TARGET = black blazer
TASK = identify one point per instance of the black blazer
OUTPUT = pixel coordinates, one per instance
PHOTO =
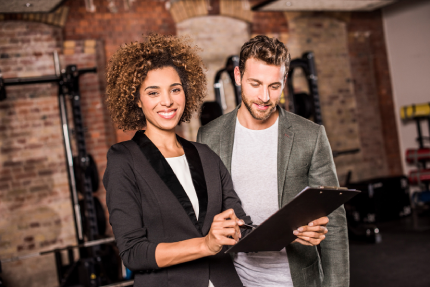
(147, 205)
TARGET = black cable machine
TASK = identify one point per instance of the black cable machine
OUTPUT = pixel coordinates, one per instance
(231, 64)
(98, 264)
(214, 109)
(303, 104)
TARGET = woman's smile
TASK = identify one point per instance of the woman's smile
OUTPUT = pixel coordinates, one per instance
(167, 114)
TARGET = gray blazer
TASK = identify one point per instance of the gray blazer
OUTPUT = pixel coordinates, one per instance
(304, 159)
(147, 207)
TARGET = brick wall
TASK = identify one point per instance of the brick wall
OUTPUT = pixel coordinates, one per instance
(269, 23)
(370, 25)
(358, 109)
(115, 29)
(35, 207)
(35, 204)
(327, 39)
(368, 115)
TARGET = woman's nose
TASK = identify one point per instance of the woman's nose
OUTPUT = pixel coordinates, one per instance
(166, 99)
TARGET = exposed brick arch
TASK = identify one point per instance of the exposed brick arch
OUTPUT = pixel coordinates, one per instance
(183, 9)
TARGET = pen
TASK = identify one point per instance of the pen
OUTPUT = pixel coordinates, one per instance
(247, 225)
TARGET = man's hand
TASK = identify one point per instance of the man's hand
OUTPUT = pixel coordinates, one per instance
(313, 233)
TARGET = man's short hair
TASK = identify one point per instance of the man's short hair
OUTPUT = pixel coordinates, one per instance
(269, 50)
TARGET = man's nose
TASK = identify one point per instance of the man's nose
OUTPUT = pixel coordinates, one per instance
(265, 95)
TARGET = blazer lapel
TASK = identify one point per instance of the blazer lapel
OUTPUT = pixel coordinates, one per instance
(227, 138)
(285, 144)
(198, 176)
(165, 172)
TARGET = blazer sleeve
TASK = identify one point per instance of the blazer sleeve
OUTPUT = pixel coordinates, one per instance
(334, 248)
(125, 211)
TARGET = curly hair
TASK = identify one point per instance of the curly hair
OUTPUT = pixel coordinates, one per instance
(269, 50)
(130, 65)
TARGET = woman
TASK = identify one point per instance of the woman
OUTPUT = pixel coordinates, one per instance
(171, 202)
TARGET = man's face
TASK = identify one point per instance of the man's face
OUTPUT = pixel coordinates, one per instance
(262, 86)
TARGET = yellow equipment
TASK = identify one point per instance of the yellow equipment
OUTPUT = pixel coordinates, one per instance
(415, 111)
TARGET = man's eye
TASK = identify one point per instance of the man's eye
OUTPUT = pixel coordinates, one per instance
(275, 87)
(255, 85)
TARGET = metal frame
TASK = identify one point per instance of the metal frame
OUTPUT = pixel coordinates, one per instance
(68, 87)
(89, 269)
(68, 83)
(307, 64)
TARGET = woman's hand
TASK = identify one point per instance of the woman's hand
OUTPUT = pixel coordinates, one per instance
(224, 231)
(313, 233)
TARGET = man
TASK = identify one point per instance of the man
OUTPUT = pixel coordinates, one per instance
(272, 155)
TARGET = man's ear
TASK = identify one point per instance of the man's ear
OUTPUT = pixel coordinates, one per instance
(237, 76)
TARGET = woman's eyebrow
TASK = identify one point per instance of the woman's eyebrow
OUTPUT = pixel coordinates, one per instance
(157, 87)
(151, 87)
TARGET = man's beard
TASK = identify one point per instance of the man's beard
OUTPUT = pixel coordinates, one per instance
(256, 114)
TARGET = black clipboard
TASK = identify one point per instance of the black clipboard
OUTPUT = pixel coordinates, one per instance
(276, 232)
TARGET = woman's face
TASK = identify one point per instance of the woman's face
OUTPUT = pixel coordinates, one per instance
(162, 98)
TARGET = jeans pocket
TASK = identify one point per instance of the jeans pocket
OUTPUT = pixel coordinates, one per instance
(312, 275)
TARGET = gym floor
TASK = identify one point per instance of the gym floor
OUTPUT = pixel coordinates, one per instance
(402, 259)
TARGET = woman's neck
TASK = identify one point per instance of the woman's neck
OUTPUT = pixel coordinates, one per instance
(165, 141)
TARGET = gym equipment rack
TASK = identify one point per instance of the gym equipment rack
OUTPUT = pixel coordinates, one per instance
(88, 270)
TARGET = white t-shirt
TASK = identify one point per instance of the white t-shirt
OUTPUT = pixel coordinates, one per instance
(181, 169)
(255, 179)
